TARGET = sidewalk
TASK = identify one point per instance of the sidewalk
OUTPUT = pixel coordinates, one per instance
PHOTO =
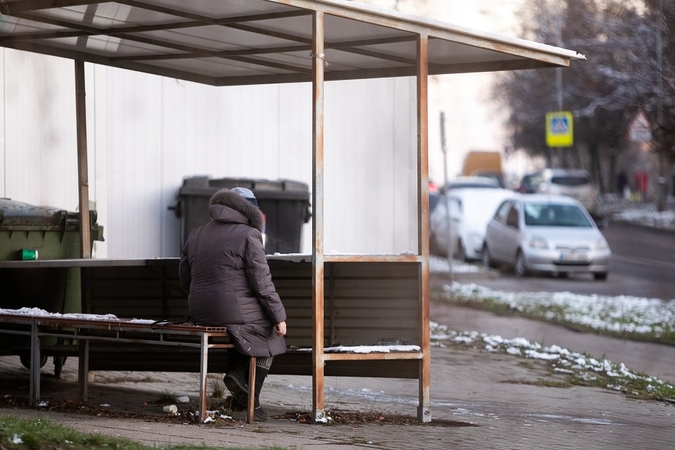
(480, 400)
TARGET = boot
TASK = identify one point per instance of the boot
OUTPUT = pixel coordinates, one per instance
(260, 374)
(236, 378)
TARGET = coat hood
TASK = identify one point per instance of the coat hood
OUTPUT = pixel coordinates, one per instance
(236, 202)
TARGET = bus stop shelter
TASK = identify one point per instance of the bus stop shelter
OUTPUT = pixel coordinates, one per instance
(244, 42)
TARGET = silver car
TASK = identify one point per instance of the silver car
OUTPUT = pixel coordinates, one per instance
(570, 182)
(546, 233)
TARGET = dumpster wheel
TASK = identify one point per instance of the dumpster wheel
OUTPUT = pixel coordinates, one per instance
(25, 360)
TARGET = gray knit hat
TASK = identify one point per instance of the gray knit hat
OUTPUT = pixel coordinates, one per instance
(247, 194)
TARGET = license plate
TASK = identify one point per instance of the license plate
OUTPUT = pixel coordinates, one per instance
(572, 256)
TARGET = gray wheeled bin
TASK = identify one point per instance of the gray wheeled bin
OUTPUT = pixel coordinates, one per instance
(42, 233)
(284, 203)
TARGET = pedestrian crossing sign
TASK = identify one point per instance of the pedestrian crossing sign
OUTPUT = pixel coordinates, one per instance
(559, 129)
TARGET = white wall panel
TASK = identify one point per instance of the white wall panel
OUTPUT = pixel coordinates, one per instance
(135, 211)
(97, 136)
(147, 133)
(3, 107)
(370, 141)
(39, 163)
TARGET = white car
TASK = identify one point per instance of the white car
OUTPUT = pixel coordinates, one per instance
(546, 233)
(471, 209)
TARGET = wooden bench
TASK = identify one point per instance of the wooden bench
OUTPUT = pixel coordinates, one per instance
(366, 303)
(88, 328)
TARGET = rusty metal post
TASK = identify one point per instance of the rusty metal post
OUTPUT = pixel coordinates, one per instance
(318, 60)
(423, 410)
(250, 402)
(83, 370)
(34, 390)
(82, 164)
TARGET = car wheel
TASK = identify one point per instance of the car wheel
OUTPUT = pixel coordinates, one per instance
(600, 275)
(486, 259)
(520, 267)
(434, 248)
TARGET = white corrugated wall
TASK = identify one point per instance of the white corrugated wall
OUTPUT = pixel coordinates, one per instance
(147, 133)
(39, 153)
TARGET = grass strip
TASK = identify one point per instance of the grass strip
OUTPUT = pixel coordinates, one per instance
(638, 319)
(41, 433)
(578, 368)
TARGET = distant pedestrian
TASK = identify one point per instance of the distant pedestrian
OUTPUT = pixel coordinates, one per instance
(641, 183)
(622, 184)
(224, 269)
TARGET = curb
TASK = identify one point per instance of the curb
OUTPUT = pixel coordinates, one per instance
(642, 226)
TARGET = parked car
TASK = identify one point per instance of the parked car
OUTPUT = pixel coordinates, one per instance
(472, 182)
(529, 183)
(570, 182)
(470, 210)
(546, 233)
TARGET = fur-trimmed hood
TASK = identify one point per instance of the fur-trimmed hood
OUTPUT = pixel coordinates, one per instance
(225, 200)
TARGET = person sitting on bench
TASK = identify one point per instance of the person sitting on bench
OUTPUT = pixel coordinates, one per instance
(224, 269)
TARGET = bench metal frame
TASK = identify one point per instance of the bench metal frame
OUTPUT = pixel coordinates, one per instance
(86, 329)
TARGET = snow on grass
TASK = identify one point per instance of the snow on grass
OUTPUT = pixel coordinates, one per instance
(647, 215)
(617, 315)
(583, 369)
(441, 265)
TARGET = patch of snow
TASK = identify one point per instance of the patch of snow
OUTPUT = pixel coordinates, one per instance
(539, 355)
(594, 311)
(372, 349)
(557, 355)
(37, 312)
(441, 265)
(141, 321)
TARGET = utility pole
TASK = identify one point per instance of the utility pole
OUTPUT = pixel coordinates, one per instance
(445, 198)
(662, 185)
(559, 80)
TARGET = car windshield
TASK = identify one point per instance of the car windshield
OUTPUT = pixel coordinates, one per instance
(555, 215)
(462, 185)
(570, 180)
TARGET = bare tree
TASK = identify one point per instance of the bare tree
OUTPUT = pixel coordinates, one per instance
(604, 93)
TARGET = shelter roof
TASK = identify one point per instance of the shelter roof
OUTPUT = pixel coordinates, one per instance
(237, 42)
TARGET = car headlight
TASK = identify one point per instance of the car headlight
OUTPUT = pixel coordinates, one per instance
(538, 242)
(601, 244)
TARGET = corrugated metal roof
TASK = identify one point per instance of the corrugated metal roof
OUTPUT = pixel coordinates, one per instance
(236, 42)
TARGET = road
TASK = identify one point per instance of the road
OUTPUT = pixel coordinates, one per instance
(643, 261)
(642, 265)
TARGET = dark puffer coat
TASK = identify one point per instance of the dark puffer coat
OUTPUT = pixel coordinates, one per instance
(223, 267)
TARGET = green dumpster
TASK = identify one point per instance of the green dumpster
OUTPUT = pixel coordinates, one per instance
(29, 232)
